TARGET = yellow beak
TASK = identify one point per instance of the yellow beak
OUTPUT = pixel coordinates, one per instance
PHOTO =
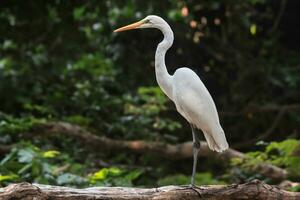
(130, 26)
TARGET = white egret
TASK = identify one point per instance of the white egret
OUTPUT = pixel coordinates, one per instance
(186, 90)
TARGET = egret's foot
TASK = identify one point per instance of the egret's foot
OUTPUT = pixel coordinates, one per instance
(192, 187)
(195, 186)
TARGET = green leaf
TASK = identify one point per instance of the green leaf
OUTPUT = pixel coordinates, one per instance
(8, 177)
(114, 171)
(104, 173)
(78, 12)
(133, 175)
(25, 155)
(100, 175)
(25, 168)
(9, 156)
(286, 147)
(253, 29)
(51, 154)
(69, 178)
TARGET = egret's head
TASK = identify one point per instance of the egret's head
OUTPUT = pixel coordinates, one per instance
(151, 21)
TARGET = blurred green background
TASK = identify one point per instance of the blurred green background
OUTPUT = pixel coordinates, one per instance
(60, 61)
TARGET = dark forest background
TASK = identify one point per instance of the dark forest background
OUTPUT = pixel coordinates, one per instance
(60, 62)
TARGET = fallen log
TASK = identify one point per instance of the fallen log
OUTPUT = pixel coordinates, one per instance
(255, 190)
(170, 151)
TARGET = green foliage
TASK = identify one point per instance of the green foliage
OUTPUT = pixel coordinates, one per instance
(78, 119)
(295, 189)
(153, 102)
(11, 125)
(283, 154)
(200, 179)
(27, 162)
(142, 112)
(114, 177)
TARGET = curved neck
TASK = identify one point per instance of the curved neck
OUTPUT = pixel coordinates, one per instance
(164, 79)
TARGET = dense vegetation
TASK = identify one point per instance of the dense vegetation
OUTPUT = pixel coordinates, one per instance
(60, 61)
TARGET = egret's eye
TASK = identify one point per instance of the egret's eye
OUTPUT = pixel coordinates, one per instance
(147, 21)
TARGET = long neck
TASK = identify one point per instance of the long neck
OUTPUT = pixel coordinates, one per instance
(164, 79)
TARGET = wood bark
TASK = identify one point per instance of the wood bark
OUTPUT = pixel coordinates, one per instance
(254, 190)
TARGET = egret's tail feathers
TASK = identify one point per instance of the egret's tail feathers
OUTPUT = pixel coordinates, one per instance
(216, 141)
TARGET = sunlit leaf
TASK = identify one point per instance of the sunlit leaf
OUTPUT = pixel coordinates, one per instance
(8, 177)
(253, 29)
(51, 154)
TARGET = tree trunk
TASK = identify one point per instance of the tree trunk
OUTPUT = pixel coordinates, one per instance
(255, 190)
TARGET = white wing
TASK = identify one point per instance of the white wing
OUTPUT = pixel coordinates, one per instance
(194, 103)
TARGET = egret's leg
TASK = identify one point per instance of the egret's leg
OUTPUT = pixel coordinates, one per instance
(196, 148)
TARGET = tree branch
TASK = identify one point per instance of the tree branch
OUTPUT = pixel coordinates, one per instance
(262, 109)
(175, 152)
(253, 190)
(279, 16)
(266, 134)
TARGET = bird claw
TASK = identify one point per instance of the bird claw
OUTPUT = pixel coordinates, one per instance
(194, 188)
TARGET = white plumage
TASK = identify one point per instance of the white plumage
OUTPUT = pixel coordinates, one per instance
(186, 90)
(195, 104)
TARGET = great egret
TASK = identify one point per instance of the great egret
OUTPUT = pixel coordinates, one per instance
(186, 90)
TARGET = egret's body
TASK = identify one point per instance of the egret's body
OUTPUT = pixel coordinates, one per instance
(186, 90)
(197, 107)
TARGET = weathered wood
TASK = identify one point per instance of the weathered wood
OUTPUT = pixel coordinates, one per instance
(254, 190)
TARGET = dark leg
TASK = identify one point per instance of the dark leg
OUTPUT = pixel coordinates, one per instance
(196, 147)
